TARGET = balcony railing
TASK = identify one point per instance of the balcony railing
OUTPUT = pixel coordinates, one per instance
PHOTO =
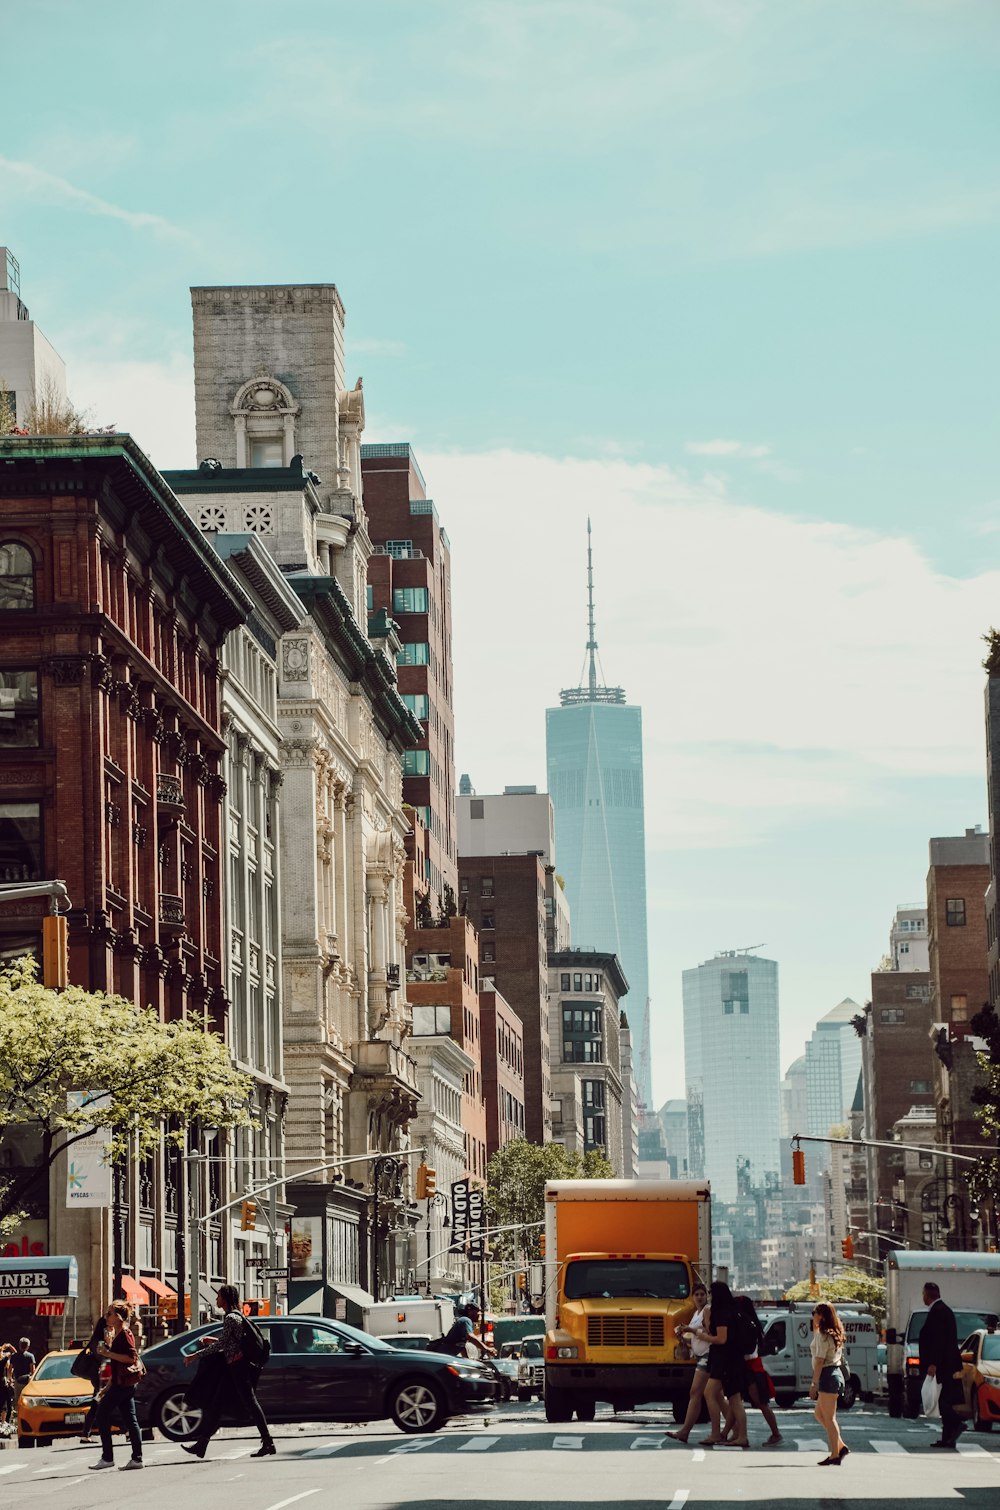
(171, 912)
(169, 793)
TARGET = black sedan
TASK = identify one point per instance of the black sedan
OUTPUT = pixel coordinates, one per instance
(321, 1370)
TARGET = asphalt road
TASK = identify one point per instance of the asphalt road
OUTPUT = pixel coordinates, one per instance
(512, 1457)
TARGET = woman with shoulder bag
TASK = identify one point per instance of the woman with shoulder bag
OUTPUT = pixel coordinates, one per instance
(119, 1398)
(237, 1378)
(827, 1349)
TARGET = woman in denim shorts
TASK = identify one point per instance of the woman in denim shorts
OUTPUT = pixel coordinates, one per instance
(827, 1349)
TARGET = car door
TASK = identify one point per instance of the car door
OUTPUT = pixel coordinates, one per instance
(283, 1384)
(337, 1381)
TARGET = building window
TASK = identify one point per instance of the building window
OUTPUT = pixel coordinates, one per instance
(489, 954)
(488, 921)
(417, 703)
(954, 912)
(486, 886)
(727, 1008)
(564, 982)
(892, 1014)
(20, 841)
(463, 886)
(417, 653)
(477, 808)
(959, 1009)
(920, 1087)
(416, 762)
(370, 598)
(400, 550)
(268, 451)
(18, 709)
(577, 982)
(17, 576)
(409, 600)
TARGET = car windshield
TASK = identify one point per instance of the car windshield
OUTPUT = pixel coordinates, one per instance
(991, 1349)
(55, 1367)
(966, 1321)
(619, 1278)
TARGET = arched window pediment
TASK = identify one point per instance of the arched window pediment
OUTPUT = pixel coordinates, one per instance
(264, 396)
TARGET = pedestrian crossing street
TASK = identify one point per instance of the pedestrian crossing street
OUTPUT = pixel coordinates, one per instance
(864, 1437)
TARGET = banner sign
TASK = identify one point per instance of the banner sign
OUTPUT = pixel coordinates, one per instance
(468, 1219)
(35, 1279)
(88, 1170)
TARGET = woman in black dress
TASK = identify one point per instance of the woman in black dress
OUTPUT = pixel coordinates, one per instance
(725, 1368)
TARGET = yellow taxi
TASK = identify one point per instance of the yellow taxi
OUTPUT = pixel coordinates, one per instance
(53, 1403)
(982, 1350)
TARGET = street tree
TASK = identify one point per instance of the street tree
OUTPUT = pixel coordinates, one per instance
(516, 1177)
(140, 1078)
(984, 1180)
(846, 1287)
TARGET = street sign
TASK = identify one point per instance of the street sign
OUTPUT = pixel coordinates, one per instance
(270, 1274)
(257, 1263)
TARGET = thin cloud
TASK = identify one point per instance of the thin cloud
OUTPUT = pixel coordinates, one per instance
(378, 347)
(39, 183)
(735, 448)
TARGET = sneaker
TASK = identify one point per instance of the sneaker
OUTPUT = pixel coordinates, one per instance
(132, 1463)
(102, 1463)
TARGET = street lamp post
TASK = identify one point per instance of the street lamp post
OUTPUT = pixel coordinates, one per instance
(440, 1199)
(394, 1166)
(196, 1162)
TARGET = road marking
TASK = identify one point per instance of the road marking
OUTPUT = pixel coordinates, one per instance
(327, 1450)
(567, 1442)
(12, 1467)
(679, 1499)
(972, 1449)
(228, 1457)
(645, 1442)
(883, 1444)
(479, 1444)
(698, 1456)
(295, 1497)
(811, 1444)
(404, 1447)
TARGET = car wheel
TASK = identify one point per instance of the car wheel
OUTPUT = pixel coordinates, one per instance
(979, 1421)
(23, 1442)
(586, 1410)
(175, 1417)
(417, 1406)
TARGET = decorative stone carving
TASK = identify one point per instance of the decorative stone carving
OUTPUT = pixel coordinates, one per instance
(67, 670)
(212, 518)
(259, 519)
(295, 660)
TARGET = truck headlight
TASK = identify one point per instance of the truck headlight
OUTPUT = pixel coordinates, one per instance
(567, 1352)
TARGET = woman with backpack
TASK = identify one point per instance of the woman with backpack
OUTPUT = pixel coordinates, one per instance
(757, 1381)
(725, 1367)
(236, 1376)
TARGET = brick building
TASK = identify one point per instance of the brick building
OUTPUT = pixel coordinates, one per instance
(504, 897)
(113, 611)
(596, 1102)
(409, 576)
(503, 1070)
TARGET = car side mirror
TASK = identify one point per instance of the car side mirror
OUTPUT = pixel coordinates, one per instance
(968, 1357)
(355, 1350)
(890, 1334)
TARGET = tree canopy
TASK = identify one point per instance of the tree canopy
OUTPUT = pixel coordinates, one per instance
(516, 1176)
(158, 1077)
(848, 1286)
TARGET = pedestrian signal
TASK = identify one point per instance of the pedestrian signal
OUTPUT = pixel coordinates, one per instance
(430, 1182)
(847, 1246)
(798, 1167)
(248, 1215)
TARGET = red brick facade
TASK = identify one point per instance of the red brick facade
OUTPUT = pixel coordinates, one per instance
(503, 1070)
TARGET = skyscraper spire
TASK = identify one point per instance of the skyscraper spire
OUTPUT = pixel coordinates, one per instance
(595, 690)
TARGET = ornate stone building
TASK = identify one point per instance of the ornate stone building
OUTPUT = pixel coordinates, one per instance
(272, 404)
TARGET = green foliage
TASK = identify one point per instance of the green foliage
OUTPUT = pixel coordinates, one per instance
(984, 1178)
(516, 1177)
(848, 1286)
(54, 1042)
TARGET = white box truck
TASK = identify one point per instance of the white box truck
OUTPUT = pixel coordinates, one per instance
(969, 1284)
(408, 1316)
(786, 1356)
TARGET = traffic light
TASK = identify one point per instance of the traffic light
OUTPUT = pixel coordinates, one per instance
(521, 1281)
(541, 1245)
(798, 1166)
(55, 953)
(430, 1182)
(847, 1246)
(248, 1215)
(421, 1191)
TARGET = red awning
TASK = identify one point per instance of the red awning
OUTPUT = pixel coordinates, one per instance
(157, 1287)
(134, 1291)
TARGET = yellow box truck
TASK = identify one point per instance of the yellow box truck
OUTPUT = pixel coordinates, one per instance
(621, 1258)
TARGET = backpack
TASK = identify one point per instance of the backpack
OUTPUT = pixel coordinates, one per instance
(452, 1342)
(255, 1346)
(747, 1332)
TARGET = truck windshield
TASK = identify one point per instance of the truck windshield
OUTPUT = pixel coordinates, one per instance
(966, 1322)
(620, 1278)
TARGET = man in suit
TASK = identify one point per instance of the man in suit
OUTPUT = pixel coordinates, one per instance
(940, 1359)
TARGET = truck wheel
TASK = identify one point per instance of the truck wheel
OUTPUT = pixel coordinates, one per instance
(558, 1406)
(586, 1410)
(894, 1389)
(524, 1395)
(850, 1394)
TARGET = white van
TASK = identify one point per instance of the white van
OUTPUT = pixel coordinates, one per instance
(786, 1355)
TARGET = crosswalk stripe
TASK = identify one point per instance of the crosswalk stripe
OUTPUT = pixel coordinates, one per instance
(567, 1442)
(698, 1456)
(679, 1499)
(972, 1449)
(328, 1450)
(410, 1446)
(646, 1441)
(479, 1444)
(810, 1444)
(12, 1467)
(883, 1444)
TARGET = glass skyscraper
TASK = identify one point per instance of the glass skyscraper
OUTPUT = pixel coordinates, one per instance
(594, 756)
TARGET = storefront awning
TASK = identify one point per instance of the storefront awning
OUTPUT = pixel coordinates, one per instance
(157, 1287)
(133, 1291)
(37, 1278)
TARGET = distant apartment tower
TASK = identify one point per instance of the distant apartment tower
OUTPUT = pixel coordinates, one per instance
(590, 1083)
(595, 777)
(409, 576)
(30, 366)
(833, 1063)
(732, 1069)
(503, 1070)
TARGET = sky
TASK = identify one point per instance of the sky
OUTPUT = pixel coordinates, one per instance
(718, 274)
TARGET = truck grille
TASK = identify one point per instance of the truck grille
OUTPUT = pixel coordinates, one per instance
(625, 1331)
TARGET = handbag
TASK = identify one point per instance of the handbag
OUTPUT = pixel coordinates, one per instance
(930, 1395)
(86, 1365)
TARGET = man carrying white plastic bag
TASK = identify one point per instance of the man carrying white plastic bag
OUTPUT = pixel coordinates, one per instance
(941, 1364)
(930, 1394)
